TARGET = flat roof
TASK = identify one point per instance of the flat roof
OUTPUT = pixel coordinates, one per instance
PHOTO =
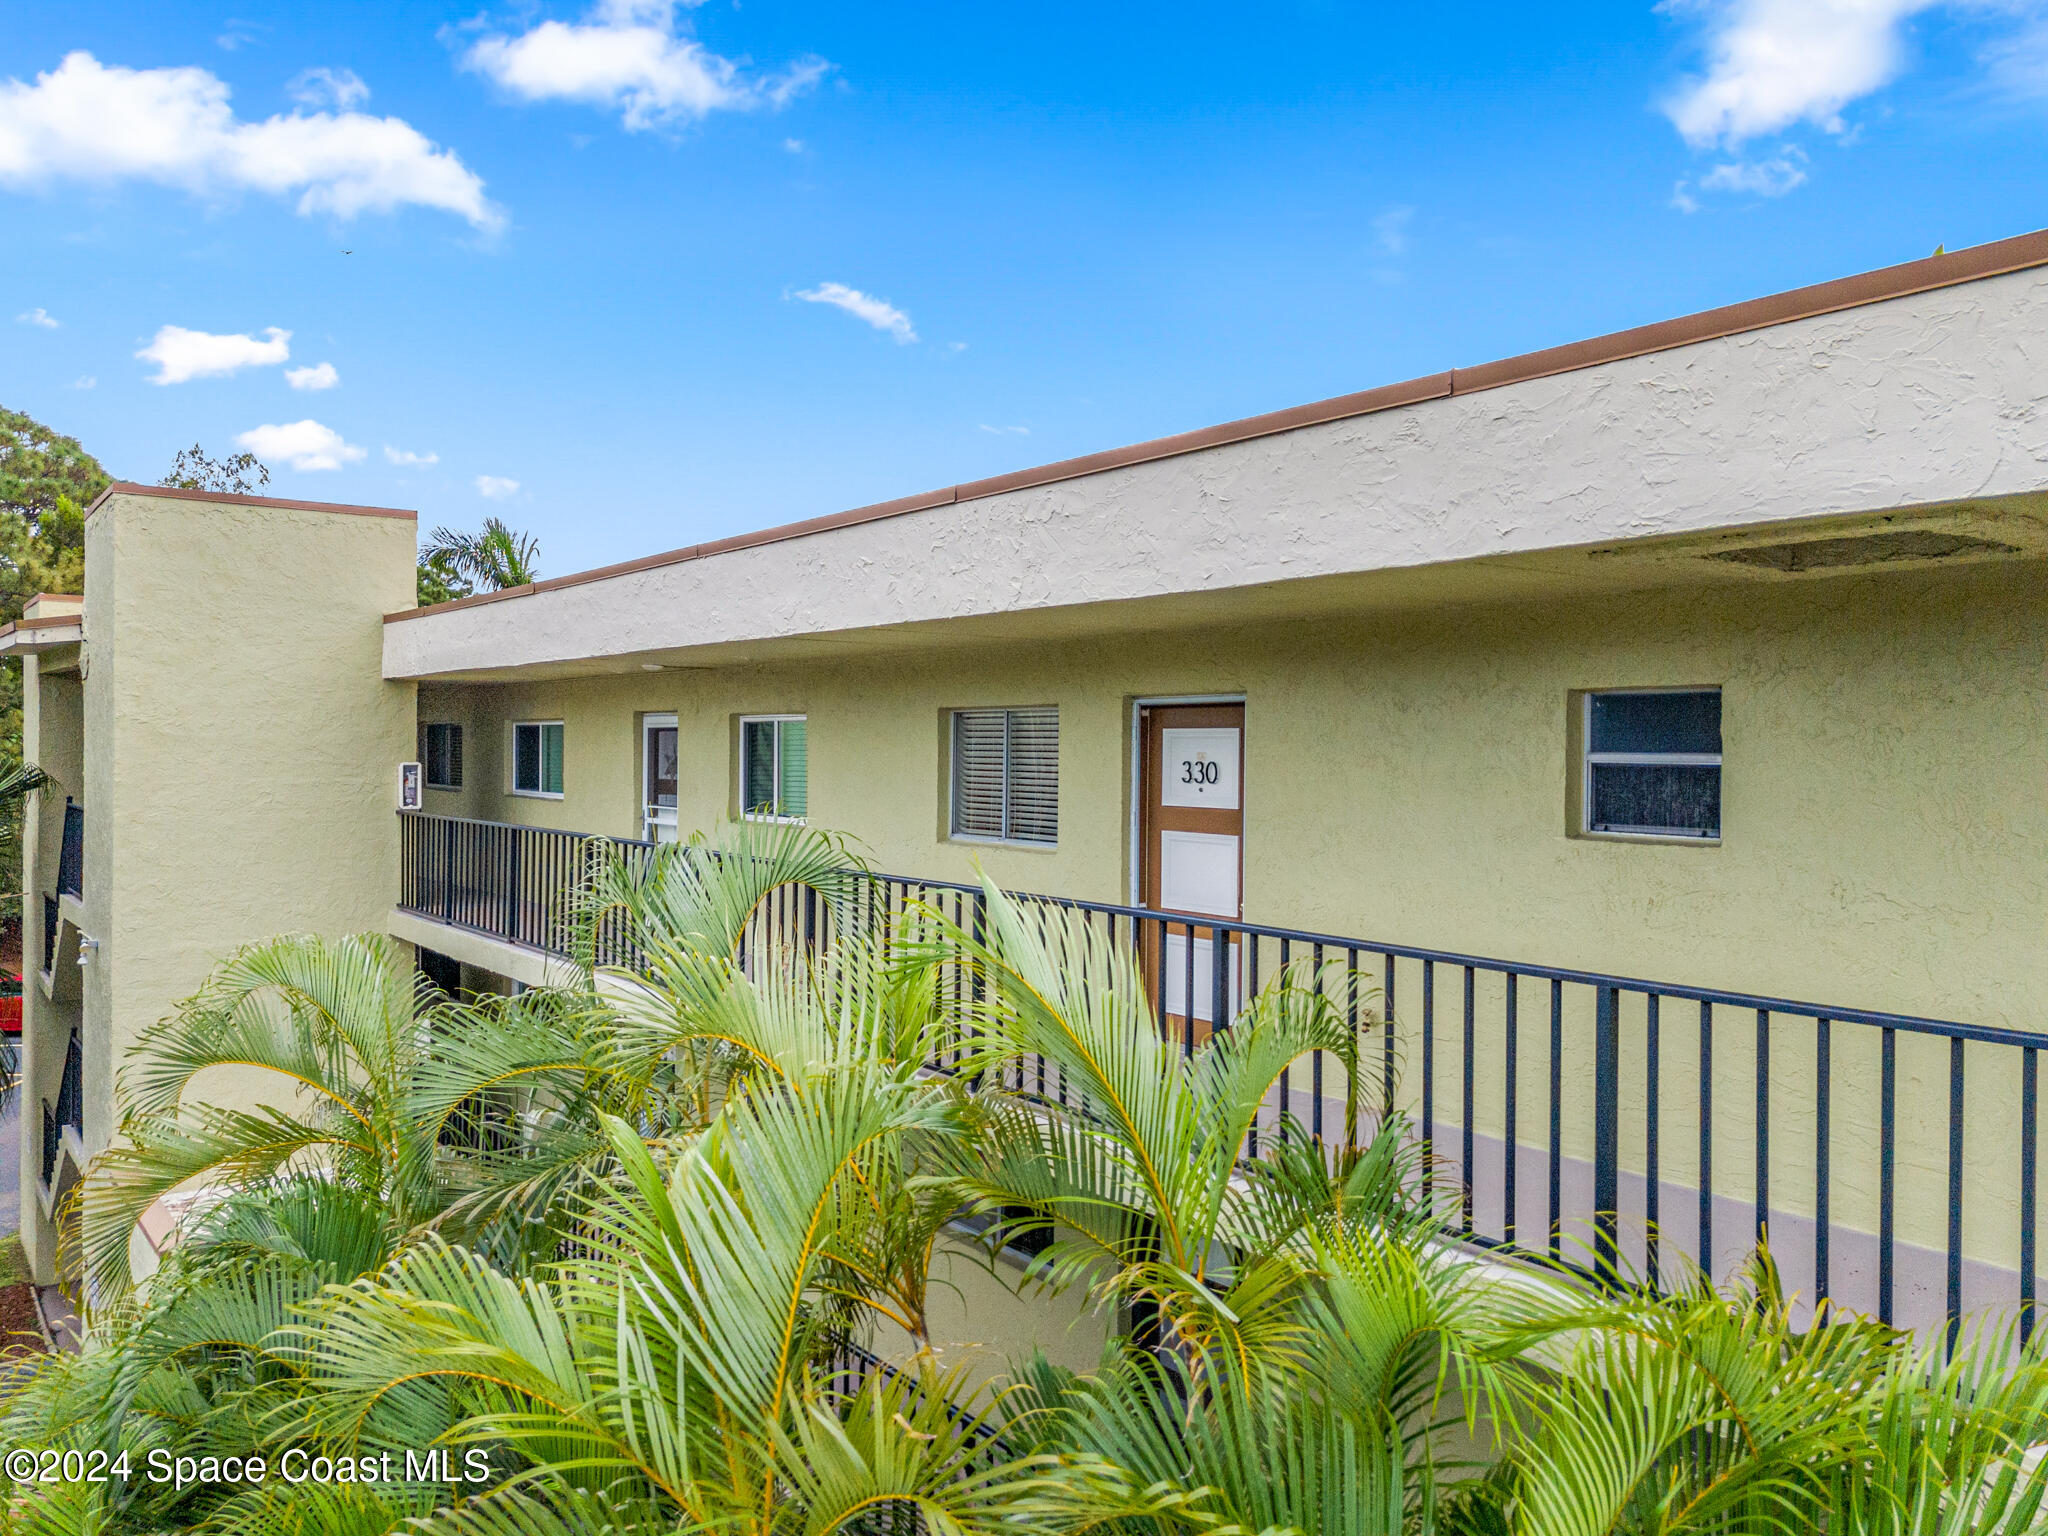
(1946, 270)
(175, 493)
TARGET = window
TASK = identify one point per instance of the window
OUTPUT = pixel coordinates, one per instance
(1653, 763)
(537, 758)
(774, 767)
(441, 752)
(1006, 775)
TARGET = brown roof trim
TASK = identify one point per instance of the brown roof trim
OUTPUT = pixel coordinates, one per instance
(55, 620)
(130, 488)
(2016, 254)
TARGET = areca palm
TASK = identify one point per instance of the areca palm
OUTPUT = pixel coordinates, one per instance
(1145, 1170)
(695, 1176)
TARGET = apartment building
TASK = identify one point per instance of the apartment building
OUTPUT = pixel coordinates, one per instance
(1655, 723)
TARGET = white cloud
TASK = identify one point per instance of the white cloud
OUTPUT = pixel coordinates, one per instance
(88, 121)
(1772, 63)
(794, 146)
(879, 313)
(321, 377)
(1682, 198)
(84, 381)
(1006, 431)
(301, 444)
(180, 354)
(324, 87)
(629, 55)
(1390, 230)
(1766, 178)
(39, 317)
(496, 487)
(405, 459)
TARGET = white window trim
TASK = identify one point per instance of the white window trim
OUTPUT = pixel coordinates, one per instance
(953, 780)
(512, 762)
(1592, 759)
(775, 772)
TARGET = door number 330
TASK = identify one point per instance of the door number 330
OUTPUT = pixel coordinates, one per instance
(1196, 770)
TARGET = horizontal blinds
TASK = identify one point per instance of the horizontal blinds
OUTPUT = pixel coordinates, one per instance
(1034, 777)
(978, 772)
(454, 764)
(551, 759)
(794, 797)
(1006, 774)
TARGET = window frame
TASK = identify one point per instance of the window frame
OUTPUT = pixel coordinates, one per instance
(953, 832)
(774, 770)
(427, 729)
(512, 759)
(1589, 759)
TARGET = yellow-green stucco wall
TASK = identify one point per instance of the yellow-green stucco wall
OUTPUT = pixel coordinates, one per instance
(1407, 779)
(240, 751)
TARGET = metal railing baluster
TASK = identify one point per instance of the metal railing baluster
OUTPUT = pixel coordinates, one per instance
(513, 882)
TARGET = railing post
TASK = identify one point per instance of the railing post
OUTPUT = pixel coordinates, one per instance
(448, 871)
(1219, 981)
(517, 842)
(1606, 1132)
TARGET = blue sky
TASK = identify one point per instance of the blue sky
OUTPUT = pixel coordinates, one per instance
(633, 275)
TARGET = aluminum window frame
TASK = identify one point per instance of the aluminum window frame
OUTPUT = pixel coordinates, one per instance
(775, 768)
(953, 832)
(1589, 760)
(427, 779)
(512, 761)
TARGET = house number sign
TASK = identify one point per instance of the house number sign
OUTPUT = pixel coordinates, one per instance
(1200, 767)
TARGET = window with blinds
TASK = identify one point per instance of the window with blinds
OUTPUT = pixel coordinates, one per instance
(775, 766)
(1006, 775)
(1653, 763)
(537, 758)
(441, 754)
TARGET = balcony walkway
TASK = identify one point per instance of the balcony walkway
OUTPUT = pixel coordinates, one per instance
(1622, 1098)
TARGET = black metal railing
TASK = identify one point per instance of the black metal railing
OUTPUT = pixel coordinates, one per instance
(49, 933)
(71, 859)
(1607, 1123)
(496, 878)
(70, 1108)
(71, 1087)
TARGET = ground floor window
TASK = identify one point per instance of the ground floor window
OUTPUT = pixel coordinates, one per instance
(774, 766)
(1653, 762)
(537, 758)
(441, 752)
(1006, 775)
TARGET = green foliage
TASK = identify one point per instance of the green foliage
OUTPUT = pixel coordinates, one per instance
(612, 1240)
(41, 470)
(239, 474)
(456, 564)
(46, 482)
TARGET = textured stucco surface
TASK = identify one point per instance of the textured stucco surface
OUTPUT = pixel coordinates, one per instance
(1886, 737)
(52, 738)
(1920, 400)
(1406, 780)
(240, 749)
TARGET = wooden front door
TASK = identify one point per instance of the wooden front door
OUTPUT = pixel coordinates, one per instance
(1191, 842)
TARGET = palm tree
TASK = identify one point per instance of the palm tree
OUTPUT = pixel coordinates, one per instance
(629, 1294)
(492, 559)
